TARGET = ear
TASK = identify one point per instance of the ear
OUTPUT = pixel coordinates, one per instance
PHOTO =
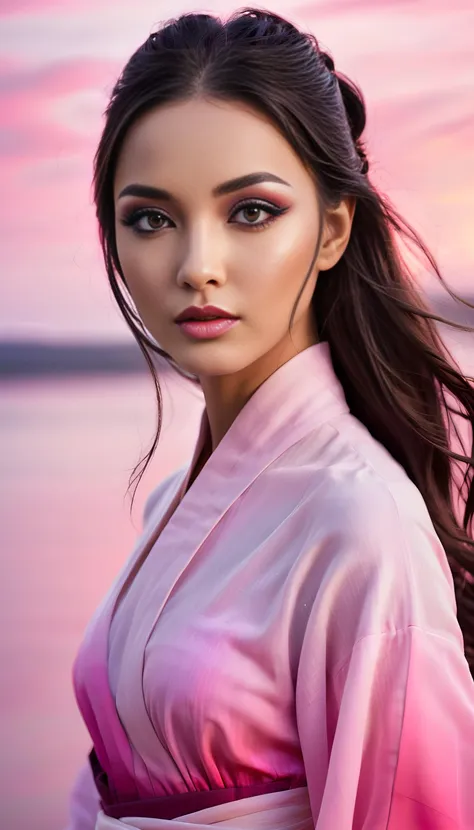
(336, 233)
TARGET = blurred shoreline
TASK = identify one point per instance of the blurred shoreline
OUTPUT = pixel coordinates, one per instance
(39, 356)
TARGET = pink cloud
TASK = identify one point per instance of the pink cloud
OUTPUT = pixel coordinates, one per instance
(57, 78)
(337, 7)
(17, 7)
(48, 133)
(30, 100)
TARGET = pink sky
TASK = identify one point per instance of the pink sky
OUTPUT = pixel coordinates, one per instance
(59, 58)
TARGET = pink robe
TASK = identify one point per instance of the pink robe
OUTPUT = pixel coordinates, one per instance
(295, 616)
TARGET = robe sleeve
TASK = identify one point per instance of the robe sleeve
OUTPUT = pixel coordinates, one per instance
(387, 730)
(84, 803)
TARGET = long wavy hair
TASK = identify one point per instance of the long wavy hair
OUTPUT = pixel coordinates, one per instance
(398, 377)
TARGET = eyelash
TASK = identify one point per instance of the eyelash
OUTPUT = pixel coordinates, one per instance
(133, 217)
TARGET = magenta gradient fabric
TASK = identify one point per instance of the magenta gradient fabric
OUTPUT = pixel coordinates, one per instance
(291, 615)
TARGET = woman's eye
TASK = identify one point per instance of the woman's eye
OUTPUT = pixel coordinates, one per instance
(251, 212)
(151, 221)
(147, 221)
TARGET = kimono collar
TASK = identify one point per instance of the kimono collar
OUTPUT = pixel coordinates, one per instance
(299, 396)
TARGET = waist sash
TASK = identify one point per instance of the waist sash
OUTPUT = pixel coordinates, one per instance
(277, 805)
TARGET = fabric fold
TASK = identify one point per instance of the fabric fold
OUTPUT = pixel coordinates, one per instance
(286, 810)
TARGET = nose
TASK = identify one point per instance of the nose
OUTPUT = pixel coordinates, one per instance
(203, 260)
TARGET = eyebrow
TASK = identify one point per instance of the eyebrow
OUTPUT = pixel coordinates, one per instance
(230, 186)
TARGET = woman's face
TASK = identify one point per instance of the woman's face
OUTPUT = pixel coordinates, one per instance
(245, 250)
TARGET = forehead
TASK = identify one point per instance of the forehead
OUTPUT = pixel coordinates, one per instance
(203, 143)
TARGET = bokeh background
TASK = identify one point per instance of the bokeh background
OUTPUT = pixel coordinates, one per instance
(76, 405)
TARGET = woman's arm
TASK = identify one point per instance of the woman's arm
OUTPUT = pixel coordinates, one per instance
(386, 728)
(388, 744)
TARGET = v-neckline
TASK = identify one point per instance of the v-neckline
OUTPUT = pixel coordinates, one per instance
(283, 412)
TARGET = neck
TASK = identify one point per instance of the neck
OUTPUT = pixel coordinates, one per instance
(226, 395)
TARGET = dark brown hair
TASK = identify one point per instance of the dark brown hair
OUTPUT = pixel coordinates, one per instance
(398, 377)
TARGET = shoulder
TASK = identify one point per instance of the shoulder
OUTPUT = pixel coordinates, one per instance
(375, 551)
(372, 505)
(350, 480)
(358, 484)
(342, 483)
(365, 506)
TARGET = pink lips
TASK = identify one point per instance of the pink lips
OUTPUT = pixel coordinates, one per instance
(207, 329)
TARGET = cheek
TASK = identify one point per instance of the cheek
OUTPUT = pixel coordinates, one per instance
(297, 248)
(285, 264)
(142, 270)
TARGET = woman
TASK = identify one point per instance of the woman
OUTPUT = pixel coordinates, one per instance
(291, 642)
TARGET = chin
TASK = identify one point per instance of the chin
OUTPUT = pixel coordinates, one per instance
(211, 358)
